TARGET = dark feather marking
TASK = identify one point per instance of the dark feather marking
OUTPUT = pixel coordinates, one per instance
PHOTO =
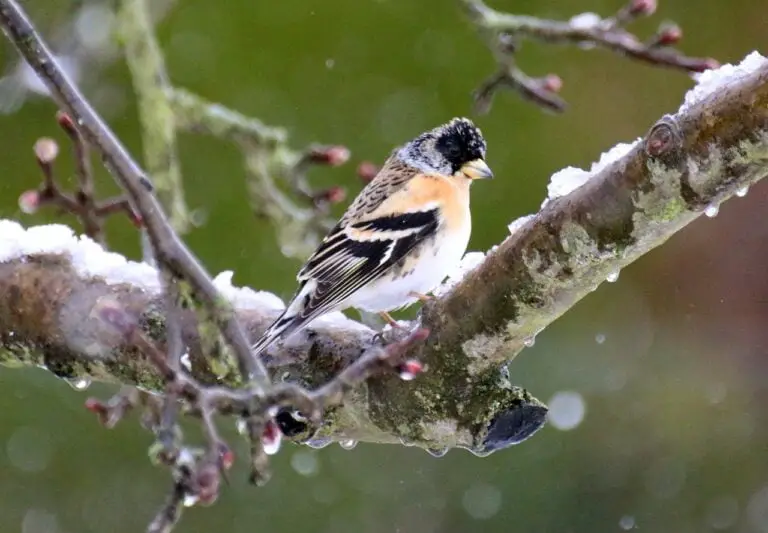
(398, 222)
(333, 290)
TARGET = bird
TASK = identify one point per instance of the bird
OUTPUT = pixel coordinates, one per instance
(400, 237)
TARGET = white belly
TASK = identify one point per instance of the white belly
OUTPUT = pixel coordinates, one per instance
(433, 266)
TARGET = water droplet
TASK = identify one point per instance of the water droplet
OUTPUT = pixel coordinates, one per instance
(741, 193)
(613, 277)
(712, 210)
(305, 462)
(190, 500)
(319, 443)
(566, 410)
(529, 341)
(723, 512)
(437, 452)
(39, 521)
(29, 449)
(600, 338)
(627, 522)
(348, 444)
(481, 501)
(242, 426)
(330, 63)
(79, 383)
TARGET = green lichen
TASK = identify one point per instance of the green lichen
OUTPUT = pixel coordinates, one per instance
(662, 201)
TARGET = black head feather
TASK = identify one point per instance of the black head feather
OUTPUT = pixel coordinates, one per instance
(446, 148)
(460, 141)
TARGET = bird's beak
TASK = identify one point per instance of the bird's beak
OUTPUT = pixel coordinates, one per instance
(477, 170)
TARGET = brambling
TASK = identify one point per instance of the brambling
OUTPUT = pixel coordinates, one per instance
(402, 235)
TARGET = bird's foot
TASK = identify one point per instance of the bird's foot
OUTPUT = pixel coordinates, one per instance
(391, 321)
(423, 298)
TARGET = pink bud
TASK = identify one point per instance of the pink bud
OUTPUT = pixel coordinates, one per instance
(46, 150)
(642, 7)
(410, 369)
(66, 122)
(552, 83)
(331, 155)
(270, 439)
(367, 171)
(670, 34)
(29, 202)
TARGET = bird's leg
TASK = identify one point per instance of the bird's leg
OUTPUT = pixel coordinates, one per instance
(423, 298)
(391, 321)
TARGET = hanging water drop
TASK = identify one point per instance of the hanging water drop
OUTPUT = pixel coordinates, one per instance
(481, 453)
(348, 444)
(79, 383)
(613, 277)
(190, 500)
(600, 338)
(741, 193)
(712, 210)
(529, 341)
(437, 452)
(242, 426)
(319, 443)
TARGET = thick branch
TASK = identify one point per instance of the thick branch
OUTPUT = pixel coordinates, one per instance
(705, 154)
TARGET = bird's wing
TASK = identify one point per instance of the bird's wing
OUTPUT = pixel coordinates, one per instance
(367, 243)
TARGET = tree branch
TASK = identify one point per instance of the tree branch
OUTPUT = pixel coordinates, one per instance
(712, 149)
(300, 218)
(502, 33)
(170, 251)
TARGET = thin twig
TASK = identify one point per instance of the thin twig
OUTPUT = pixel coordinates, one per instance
(276, 176)
(170, 251)
(83, 203)
(503, 31)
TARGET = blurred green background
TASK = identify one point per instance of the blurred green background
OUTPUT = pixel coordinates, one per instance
(657, 383)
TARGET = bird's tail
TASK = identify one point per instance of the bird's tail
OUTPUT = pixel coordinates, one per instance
(282, 327)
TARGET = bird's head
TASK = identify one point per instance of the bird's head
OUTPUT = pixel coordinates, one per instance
(453, 149)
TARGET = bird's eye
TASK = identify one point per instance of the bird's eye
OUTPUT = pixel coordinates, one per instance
(453, 151)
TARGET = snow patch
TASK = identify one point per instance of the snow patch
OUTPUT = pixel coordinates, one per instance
(516, 224)
(585, 21)
(89, 259)
(469, 262)
(711, 81)
(569, 179)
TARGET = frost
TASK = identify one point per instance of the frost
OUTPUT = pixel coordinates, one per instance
(469, 262)
(712, 81)
(518, 223)
(569, 179)
(585, 21)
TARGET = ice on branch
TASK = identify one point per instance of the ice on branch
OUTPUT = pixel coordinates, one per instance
(710, 82)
